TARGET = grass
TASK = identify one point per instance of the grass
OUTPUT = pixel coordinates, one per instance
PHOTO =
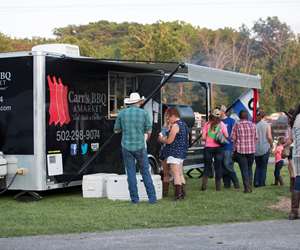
(67, 212)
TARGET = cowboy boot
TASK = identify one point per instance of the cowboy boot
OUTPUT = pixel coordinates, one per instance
(178, 193)
(247, 187)
(235, 181)
(218, 184)
(292, 184)
(276, 181)
(295, 198)
(280, 180)
(183, 191)
(204, 183)
(165, 189)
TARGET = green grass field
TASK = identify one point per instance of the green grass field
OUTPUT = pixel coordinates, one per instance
(67, 212)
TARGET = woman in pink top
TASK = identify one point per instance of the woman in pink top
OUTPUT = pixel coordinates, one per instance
(278, 161)
(213, 150)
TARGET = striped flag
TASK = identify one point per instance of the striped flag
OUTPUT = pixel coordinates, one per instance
(245, 102)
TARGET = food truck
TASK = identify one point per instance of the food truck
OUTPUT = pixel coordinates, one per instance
(57, 111)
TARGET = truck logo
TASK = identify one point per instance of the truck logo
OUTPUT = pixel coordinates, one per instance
(5, 78)
(59, 107)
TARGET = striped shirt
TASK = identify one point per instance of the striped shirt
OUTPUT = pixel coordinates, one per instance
(134, 123)
(244, 137)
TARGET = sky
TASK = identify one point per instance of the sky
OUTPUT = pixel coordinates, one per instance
(38, 18)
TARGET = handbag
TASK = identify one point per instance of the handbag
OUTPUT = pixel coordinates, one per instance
(220, 138)
(285, 152)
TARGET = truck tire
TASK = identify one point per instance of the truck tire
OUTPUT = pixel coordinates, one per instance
(154, 168)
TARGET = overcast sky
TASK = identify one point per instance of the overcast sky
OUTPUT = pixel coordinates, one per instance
(29, 18)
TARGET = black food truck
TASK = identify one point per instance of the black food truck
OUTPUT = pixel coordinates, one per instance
(57, 111)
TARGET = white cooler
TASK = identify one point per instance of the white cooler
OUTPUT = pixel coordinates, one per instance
(3, 167)
(117, 187)
(94, 185)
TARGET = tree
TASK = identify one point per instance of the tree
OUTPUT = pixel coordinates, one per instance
(5, 45)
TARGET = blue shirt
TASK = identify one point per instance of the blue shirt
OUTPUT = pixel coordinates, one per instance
(178, 148)
(229, 122)
(134, 123)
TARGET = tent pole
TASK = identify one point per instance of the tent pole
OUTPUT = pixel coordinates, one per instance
(255, 101)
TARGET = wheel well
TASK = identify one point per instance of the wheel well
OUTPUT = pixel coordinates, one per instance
(154, 164)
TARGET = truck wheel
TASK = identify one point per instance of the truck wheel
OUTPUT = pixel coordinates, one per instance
(153, 165)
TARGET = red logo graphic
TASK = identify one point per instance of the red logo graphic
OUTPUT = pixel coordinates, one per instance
(59, 107)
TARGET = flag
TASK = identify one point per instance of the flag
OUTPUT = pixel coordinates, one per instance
(245, 102)
(58, 107)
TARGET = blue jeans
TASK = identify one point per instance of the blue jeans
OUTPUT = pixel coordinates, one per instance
(261, 170)
(229, 174)
(245, 162)
(278, 167)
(297, 183)
(129, 159)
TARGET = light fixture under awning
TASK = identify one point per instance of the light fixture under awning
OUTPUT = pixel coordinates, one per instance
(222, 77)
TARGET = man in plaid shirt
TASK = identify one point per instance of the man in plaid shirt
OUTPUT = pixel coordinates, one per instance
(134, 123)
(244, 138)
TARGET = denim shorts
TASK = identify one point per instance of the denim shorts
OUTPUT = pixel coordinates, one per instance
(173, 160)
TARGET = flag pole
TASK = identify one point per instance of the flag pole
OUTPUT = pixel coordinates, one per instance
(255, 100)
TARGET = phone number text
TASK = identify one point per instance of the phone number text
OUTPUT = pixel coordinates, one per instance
(77, 135)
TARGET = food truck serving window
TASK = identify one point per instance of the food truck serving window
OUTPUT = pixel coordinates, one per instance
(120, 85)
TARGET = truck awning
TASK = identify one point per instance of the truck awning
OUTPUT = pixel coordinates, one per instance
(222, 77)
(191, 71)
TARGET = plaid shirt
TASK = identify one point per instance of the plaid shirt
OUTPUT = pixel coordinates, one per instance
(134, 123)
(244, 137)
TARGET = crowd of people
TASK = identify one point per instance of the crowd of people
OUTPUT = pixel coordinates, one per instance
(225, 140)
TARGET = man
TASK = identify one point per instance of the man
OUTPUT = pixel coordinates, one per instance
(244, 140)
(229, 174)
(134, 123)
(262, 153)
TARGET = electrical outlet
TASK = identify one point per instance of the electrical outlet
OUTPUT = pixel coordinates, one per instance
(22, 171)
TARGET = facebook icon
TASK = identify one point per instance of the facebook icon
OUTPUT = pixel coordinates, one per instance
(73, 149)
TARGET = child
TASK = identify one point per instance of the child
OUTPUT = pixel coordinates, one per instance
(278, 161)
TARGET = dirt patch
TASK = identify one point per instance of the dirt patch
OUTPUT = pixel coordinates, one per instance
(284, 204)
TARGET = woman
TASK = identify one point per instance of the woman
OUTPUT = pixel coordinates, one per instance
(163, 157)
(295, 198)
(176, 150)
(213, 149)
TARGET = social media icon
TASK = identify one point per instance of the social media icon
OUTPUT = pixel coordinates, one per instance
(95, 146)
(73, 149)
(84, 148)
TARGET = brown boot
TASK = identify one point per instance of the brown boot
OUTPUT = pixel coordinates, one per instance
(183, 191)
(292, 184)
(178, 193)
(165, 189)
(275, 182)
(295, 198)
(247, 188)
(218, 185)
(204, 183)
(280, 180)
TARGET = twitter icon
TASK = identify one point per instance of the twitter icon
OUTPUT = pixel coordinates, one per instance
(84, 148)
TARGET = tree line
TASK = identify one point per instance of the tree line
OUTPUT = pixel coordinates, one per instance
(268, 48)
